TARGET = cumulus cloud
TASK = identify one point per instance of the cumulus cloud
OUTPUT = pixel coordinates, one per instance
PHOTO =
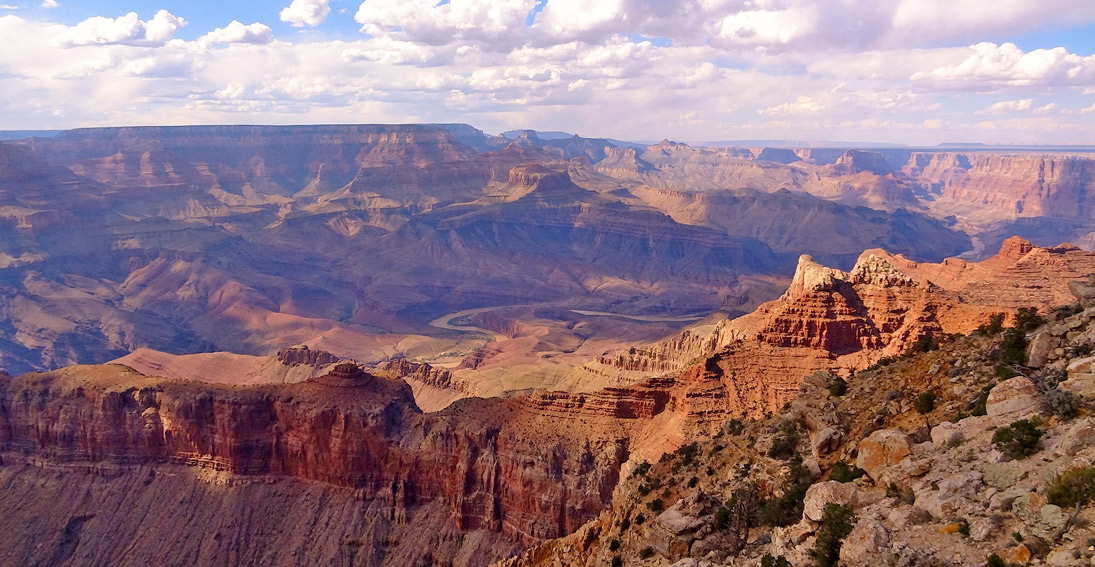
(50, 4)
(1008, 106)
(237, 32)
(1007, 64)
(306, 12)
(125, 30)
(499, 22)
(801, 105)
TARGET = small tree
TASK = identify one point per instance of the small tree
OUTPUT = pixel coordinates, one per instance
(924, 403)
(836, 524)
(1018, 440)
(1072, 488)
(993, 327)
(838, 387)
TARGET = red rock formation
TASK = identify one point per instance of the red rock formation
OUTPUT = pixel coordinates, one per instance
(494, 463)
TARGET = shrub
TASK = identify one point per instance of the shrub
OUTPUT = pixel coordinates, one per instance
(617, 561)
(787, 509)
(646, 553)
(924, 403)
(838, 387)
(924, 344)
(841, 472)
(692, 482)
(625, 524)
(993, 327)
(980, 402)
(1018, 440)
(1063, 404)
(1003, 371)
(735, 427)
(995, 560)
(777, 561)
(643, 490)
(1013, 349)
(963, 527)
(656, 505)
(1027, 319)
(688, 453)
(640, 520)
(614, 544)
(783, 446)
(641, 469)
(836, 524)
(722, 518)
(1072, 488)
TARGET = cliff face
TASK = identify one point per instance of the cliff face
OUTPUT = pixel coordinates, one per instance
(831, 319)
(490, 463)
(1009, 185)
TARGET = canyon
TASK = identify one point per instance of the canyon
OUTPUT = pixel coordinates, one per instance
(485, 477)
(423, 344)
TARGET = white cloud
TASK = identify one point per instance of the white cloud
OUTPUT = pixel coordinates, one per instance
(306, 12)
(1008, 106)
(989, 63)
(124, 30)
(8, 7)
(802, 105)
(50, 4)
(492, 22)
(237, 32)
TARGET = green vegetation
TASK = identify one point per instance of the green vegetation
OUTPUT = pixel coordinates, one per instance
(924, 344)
(993, 327)
(838, 387)
(836, 524)
(787, 509)
(646, 553)
(1027, 319)
(963, 527)
(783, 446)
(692, 482)
(734, 427)
(640, 520)
(924, 403)
(778, 561)
(688, 453)
(1063, 404)
(617, 561)
(841, 472)
(995, 560)
(614, 544)
(981, 401)
(1018, 440)
(641, 469)
(656, 505)
(1013, 349)
(1073, 488)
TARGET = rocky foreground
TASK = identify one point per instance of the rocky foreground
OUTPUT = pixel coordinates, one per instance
(978, 453)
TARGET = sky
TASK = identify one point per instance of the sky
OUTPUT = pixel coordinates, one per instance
(916, 72)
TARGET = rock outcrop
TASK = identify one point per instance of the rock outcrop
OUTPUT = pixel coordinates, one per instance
(498, 466)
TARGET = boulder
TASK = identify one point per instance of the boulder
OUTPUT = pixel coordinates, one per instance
(863, 545)
(1003, 475)
(1041, 347)
(949, 434)
(882, 449)
(822, 493)
(1014, 399)
(826, 441)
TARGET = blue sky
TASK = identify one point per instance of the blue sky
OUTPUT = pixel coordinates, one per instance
(907, 71)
